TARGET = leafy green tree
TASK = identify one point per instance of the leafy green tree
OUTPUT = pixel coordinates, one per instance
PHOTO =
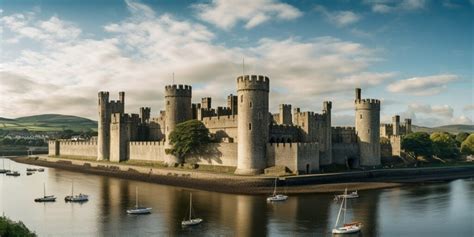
(190, 137)
(467, 146)
(444, 145)
(460, 137)
(11, 228)
(418, 143)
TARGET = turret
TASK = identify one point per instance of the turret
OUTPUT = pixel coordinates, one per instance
(232, 104)
(396, 125)
(407, 125)
(253, 123)
(103, 130)
(367, 124)
(177, 110)
(326, 140)
(145, 115)
(285, 114)
(206, 103)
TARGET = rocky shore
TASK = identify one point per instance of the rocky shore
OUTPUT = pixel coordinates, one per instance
(228, 183)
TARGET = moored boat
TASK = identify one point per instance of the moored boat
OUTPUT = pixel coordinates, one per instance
(76, 198)
(137, 210)
(276, 197)
(346, 228)
(45, 198)
(191, 221)
(351, 195)
(13, 173)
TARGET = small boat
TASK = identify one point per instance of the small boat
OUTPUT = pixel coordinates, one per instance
(45, 198)
(191, 221)
(3, 170)
(76, 198)
(276, 197)
(346, 228)
(351, 195)
(40, 170)
(31, 169)
(13, 173)
(29, 173)
(137, 210)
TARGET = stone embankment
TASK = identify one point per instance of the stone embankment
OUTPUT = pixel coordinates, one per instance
(228, 183)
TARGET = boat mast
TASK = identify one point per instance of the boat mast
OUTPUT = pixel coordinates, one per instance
(345, 206)
(136, 197)
(72, 188)
(338, 215)
(44, 189)
(190, 204)
(275, 189)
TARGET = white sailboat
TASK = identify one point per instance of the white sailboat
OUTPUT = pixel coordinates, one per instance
(3, 170)
(191, 221)
(345, 228)
(276, 197)
(46, 198)
(76, 198)
(351, 195)
(138, 210)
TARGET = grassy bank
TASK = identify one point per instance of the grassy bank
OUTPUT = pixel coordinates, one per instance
(13, 228)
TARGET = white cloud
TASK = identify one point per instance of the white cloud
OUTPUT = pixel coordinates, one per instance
(461, 120)
(339, 18)
(226, 14)
(434, 115)
(469, 107)
(428, 85)
(140, 54)
(387, 6)
(437, 110)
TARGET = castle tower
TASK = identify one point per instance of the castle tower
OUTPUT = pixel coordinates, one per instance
(103, 130)
(253, 123)
(232, 103)
(177, 110)
(285, 114)
(407, 126)
(396, 125)
(145, 115)
(327, 144)
(206, 103)
(367, 125)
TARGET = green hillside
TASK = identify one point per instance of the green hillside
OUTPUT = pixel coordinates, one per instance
(455, 128)
(48, 123)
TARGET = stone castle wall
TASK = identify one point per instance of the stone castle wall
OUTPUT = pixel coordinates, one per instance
(297, 157)
(147, 151)
(70, 148)
(341, 152)
(222, 126)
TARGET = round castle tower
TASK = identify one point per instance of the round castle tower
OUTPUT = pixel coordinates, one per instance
(367, 125)
(103, 130)
(253, 122)
(177, 110)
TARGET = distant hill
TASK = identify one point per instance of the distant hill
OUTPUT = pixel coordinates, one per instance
(48, 123)
(455, 128)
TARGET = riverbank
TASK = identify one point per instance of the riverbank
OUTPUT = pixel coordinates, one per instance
(228, 183)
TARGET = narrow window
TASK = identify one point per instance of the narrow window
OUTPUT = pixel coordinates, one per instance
(168, 102)
(241, 99)
(361, 116)
(368, 130)
(250, 126)
(250, 104)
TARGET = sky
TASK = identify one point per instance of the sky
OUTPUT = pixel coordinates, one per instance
(416, 56)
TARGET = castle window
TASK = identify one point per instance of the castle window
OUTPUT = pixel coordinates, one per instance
(168, 102)
(250, 126)
(250, 104)
(241, 99)
(361, 116)
(368, 130)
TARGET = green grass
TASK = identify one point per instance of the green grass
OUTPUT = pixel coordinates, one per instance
(48, 123)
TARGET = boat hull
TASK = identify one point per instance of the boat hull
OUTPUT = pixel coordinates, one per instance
(277, 198)
(191, 222)
(46, 199)
(139, 211)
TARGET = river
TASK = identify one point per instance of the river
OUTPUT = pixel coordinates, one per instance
(436, 209)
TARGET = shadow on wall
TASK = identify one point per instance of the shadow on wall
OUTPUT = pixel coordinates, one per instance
(210, 155)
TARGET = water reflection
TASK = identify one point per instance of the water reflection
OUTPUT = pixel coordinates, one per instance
(391, 212)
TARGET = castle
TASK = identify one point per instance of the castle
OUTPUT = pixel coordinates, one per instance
(247, 137)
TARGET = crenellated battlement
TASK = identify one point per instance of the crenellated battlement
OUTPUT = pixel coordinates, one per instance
(178, 91)
(253, 82)
(367, 104)
(343, 128)
(125, 118)
(147, 143)
(76, 143)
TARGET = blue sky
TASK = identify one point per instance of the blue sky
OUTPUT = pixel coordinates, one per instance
(414, 55)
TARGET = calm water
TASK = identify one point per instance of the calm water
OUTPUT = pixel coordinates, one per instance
(442, 209)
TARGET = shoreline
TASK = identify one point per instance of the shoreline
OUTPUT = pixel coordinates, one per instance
(227, 183)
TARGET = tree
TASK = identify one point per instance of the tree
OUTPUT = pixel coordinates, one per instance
(460, 137)
(467, 146)
(419, 143)
(190, 137)
(444, 145)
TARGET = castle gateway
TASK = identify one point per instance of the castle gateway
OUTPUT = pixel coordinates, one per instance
(247, 137)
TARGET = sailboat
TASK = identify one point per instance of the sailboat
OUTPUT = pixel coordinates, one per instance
(3, 170)
(276, 197)
(46, 198)
(351, 195)
(191, 221)
(76, 198)
(139, 210)
(345, 228)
